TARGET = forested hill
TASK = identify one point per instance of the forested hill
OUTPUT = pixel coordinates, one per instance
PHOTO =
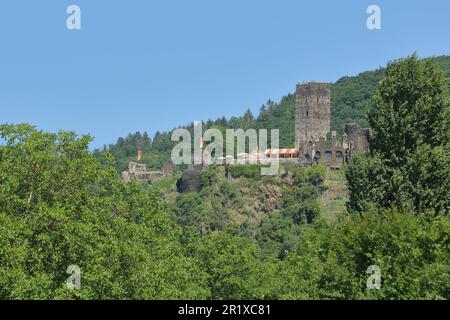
(350, 99)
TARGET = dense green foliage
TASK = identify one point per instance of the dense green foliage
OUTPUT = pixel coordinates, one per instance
(411, 251)
(60, 207)
(242, 236)
(248, 171)
(409, 164)
(155, 153)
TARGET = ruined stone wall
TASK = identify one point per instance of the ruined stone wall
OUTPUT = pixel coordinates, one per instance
(313, 152)
(313, 112)
(356, 138)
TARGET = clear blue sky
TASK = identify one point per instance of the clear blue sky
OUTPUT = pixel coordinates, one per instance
(153, 65)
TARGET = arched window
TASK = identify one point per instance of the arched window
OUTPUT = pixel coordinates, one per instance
(328, 155)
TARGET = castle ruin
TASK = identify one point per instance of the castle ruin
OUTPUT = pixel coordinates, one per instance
(313, 123)
(313, 113)
(312, 126)
(139, 172)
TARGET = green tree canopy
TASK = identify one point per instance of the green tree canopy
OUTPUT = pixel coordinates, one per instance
(409, 164)
(59, 207)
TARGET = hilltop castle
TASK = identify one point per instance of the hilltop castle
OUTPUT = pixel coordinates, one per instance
(314, 140)
(313, 125)
(313, 113)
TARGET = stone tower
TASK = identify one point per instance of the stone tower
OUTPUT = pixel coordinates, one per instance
(356, 136)
(312, 114)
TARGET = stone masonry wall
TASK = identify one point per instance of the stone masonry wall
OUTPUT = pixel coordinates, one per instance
(357, 136)
(312, 114)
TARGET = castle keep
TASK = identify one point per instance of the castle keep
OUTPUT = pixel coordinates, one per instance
(312, 114)
(313, 123)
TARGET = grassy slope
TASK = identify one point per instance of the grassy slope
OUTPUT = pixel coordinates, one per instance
(332, 201)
